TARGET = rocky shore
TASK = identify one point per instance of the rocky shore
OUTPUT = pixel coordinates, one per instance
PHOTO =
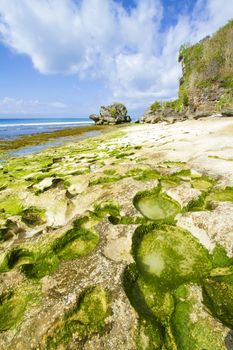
(122, 241)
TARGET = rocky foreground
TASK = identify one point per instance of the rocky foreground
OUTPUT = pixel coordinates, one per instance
(120, 242)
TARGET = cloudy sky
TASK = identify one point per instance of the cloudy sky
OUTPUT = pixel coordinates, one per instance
(68, 57)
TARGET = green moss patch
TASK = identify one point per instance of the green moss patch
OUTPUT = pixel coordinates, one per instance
(203, 183)
(101, 209)
(169, 256)
(140, 174)
(154, 308)
(197, 204)
(208, 195)
(11, 205)
(221, 195)
(18, 257)
(149, 328)
(191, 329)
(33, 216)
(85, 319)
(77, 242)
(14, 303)
(220, 258)
(11, 311)
(9, 229)
(218, 297)
(148, 336)
(159, 302)
(105, 180)
(155, 205)
(127, 220)
(36, 262)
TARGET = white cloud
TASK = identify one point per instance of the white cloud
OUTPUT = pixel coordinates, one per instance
(99, 39)
(12, 105)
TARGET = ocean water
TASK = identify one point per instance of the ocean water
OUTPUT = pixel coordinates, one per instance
(12, 128)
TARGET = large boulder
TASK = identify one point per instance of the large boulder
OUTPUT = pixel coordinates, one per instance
(113, 114)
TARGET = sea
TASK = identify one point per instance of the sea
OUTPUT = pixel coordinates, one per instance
(11, 128)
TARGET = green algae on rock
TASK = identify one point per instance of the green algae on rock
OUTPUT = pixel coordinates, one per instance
(208, 195)
(192, 325)
(77, 242)
(149, 330)
(155, 205)
(33, 216)
(148, 336)
(11, 204)
(14, 302)
(218, 297)
(36, 262)
(86, 318)
(202, 183)
(142, 174)
(170, 256)
(11, 311)
(221, 195)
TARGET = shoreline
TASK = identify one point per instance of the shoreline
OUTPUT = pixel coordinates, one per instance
(78, 226)
(60, 136)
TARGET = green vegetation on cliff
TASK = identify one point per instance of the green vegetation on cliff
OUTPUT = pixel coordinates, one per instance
(208, 70)
(207, 80)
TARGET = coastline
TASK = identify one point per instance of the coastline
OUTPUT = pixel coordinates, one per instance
(47, 139)
(76, 226)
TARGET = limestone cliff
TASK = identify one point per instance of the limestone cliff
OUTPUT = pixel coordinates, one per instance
(206, 85)
(207, 82)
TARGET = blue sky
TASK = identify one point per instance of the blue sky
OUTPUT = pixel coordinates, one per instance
(68, 57)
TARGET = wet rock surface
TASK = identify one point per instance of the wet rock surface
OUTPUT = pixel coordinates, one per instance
(120, 242)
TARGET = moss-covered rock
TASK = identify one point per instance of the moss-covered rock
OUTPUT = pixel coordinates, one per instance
(82, 321)
(218, 296)
(14, 302)
(33, 216)
(155, 205)
(221, 195)
(192, 326)
(38, 261)
(11, 204)
(170, 256)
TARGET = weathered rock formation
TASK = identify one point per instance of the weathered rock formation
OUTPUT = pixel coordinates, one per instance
(162, 114)
(113, 114)
(206, 86)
